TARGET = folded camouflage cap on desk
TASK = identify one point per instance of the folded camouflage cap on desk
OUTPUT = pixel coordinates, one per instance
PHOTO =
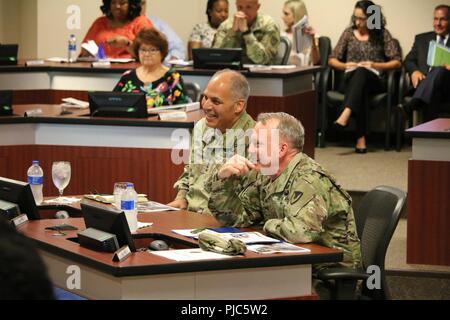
(219, 243)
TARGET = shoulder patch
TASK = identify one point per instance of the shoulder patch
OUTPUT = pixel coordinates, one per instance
(296, 196)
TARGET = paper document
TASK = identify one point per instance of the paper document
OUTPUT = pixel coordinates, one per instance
(75, 103)
(245, 237)
(109, 199)
(120, 60)
(261, 67)
(438, 55)
(180, 62)
(281, 247)
(190, 255)
(302, 41)
(152, 206)
(90, 47)
(359, 66)
(187, 107)
(57, 59)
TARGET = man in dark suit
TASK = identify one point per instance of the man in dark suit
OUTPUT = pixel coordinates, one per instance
(431, 84)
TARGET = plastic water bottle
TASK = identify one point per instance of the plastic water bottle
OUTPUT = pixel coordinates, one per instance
(72, 49)
(36, 181)
(128, 205)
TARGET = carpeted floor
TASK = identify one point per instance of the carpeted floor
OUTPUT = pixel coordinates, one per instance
(358, 173)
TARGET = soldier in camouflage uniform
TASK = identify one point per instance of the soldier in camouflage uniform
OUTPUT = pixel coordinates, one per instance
(256, 33)
(299, 203)
(216, 138)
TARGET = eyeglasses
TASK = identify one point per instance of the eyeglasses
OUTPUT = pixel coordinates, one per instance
(359, 18)
(152, 51)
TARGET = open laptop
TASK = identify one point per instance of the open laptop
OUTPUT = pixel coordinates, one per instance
(8, 54)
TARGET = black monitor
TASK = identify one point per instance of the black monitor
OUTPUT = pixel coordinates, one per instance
(6, 103)
(19, 193)
(217, 59)
(118, 104)
(108, 219)
(8, 54)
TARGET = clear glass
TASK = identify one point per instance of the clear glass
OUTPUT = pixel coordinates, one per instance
(119, 189)
(61, 173)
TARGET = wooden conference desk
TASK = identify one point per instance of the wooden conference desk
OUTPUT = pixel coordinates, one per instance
(147, 276)
(428, 239)
(102, 151)
(289, 90)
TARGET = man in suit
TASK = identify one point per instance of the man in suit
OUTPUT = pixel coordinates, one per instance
(430, 84)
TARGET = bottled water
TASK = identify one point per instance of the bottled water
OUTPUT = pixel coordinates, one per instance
(72, 49)
(36, 181)
(128, 205)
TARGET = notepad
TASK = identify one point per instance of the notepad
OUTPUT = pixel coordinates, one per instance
(438, 55)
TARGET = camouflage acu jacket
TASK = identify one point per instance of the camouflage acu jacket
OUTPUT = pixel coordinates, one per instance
(209, 150)
(303, 205)
(260, 46)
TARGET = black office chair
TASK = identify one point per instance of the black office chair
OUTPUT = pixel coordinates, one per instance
(376, 220)
(332, 98)
(192, 90)
(284, 51)
(325, 51)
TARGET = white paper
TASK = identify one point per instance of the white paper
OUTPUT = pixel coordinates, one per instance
(90, 47)
(57, 59)
(63, 200)
(75, 103)
(142, 225)
(301, 41)
(119, 60)
(190, 255)
(281, 247)
(152, 206)
(180, 62)
(188, 107)
(359, 65)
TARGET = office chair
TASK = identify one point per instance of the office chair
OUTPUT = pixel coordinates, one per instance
(332, 98)
(284, 51)
(325, 51)
(192, 90)
(376, 220)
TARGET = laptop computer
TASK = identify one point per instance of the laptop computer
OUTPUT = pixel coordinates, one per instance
(8, 54)
(217, 59)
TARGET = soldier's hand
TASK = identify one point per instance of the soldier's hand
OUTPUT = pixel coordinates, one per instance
(240, 19)
(416, 77)
(237, 165)
(179, 204)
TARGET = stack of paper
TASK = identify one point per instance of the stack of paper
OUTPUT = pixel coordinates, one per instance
(281, 247)
(245, 237)
(438, 55)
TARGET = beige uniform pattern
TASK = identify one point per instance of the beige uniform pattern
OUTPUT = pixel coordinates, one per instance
(260, 46)
(303, 205)
(208, 152)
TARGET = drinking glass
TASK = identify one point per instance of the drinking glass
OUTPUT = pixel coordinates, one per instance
(61, 172)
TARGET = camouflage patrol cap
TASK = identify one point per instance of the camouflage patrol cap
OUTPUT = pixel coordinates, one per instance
(213, 241)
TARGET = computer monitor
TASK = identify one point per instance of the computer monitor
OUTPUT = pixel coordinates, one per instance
(6, 103)
(118, 104)
(8, 54)
(19, 193)
(108, 219)
(217, 59)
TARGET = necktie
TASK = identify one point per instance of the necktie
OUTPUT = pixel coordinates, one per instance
(442, 41)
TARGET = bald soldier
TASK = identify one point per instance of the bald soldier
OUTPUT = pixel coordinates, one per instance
(216, 138)
(285, 191)
(256, 33)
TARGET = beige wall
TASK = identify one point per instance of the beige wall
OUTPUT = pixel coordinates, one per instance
(40, 25)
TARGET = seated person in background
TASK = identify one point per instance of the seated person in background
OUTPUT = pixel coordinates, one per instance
(117, 29)
(224, 103)
(284, 190)
(176, 46)
(364, 54)
(162, 85)
(431, 85)
(202, 36)
(293, 12)
(256, 33)
(23, 275)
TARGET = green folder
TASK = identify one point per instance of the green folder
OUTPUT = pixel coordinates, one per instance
(438, 55)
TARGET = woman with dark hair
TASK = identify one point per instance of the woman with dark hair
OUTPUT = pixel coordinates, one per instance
(117, 29)
(162, 86)
(202, 36)
(365, 54)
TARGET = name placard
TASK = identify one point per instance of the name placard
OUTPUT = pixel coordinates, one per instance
(122, 254)
(20, 220)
